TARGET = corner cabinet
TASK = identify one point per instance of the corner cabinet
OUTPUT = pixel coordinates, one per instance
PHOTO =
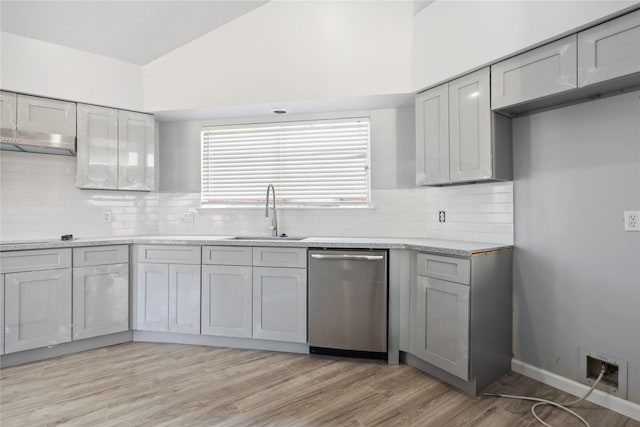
(460, 317)
(115, 149)
(458, 138)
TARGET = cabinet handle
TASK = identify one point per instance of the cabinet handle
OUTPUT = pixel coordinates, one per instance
(345, 256)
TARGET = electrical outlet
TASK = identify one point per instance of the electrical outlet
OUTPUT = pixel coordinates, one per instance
(441, 216)
(188, 217)
(631, 220)
(106, 216)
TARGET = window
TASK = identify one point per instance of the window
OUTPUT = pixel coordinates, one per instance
(312, 163)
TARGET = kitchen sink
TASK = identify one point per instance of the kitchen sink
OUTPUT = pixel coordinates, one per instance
(267, 238)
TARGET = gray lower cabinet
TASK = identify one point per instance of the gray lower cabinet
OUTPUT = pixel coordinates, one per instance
(167, 293)
(184, 298)
(458, 138)
(227, 298)
(1, 314)
(38, 309)
(280, 304)
(541, 72)
(100, 300)
(460, 317)
(441, 325)
(152, 296)
(609, 50)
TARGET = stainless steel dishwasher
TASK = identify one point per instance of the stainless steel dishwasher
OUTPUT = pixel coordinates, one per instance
(348, 302)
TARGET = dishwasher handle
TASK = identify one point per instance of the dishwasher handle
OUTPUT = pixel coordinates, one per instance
(349, 257)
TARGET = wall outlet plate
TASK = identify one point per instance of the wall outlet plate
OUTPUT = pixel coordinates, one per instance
(631, 220)
(106, 216)
(585, 376)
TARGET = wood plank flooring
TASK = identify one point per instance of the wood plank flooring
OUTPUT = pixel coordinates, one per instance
(144, 384)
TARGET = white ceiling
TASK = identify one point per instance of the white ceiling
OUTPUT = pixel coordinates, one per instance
(133, 31)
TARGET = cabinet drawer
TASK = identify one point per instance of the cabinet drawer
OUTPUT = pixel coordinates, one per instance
(42, 259)
(100, 255)
(280, 257)
(169, 254)
(445, 268)
(540, 72)
(227, 255)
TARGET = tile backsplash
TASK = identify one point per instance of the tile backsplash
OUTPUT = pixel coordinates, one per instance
(39, 200)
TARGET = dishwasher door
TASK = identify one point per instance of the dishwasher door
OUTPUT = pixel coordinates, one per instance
(348, 301)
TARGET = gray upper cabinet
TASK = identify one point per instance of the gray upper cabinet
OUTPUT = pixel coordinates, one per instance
(470, 128)
(43, 115)
(432, 136)
(8, 114)
(610, 50)
(136, 151)
(541, 72)
(458, 138)
(115, 149)
(97, 147)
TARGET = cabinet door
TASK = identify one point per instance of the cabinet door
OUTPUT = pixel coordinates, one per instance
(540, 72)
(227, 300)
(136, 157)
(280, 304)
(152, 297)
(100, 300)
(97, 147)
(46, 116)
(432, 136)
(440, 325)
(8, 110)
(37, 309)
(609, 50)
(1, 313)
(470, 128)
(184, 298)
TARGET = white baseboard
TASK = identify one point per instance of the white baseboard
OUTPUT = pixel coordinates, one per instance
(614, 403)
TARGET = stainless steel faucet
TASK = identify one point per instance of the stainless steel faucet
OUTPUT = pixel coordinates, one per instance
(274, 217)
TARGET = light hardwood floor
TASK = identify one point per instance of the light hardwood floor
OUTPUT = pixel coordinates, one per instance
(173, 385)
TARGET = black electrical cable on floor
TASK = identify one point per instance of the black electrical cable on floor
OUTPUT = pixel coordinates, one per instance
(563, 406)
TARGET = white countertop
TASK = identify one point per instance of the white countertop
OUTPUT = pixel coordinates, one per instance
(445, 247)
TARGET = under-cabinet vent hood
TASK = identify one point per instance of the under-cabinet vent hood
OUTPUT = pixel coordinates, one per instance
(37, 142)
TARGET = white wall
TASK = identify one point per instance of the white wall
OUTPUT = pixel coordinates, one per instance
(453, 37)
(32, 66)
(289, 51)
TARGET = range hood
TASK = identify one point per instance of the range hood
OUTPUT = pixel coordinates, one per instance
(37, 142)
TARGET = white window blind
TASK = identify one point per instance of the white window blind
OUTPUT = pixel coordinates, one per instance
(312, 163)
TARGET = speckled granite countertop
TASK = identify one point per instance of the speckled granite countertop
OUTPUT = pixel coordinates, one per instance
(444, 247)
